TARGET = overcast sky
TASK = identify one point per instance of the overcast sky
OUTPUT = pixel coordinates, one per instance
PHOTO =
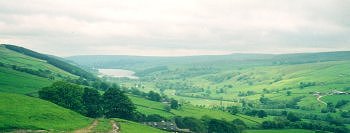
(176, 27)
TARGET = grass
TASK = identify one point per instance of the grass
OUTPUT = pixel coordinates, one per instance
(280, 131)
(23, 112)
(150, 107)
(14, 58)
(19, 82)
(23, 83)
(277, 79)
(133, 127)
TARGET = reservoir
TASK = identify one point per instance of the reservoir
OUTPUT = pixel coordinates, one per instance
(118, 73)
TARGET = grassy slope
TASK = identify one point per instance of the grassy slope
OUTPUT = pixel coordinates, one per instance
(335, 98)
(150, 107)
(19, 82)
(133, 127)
(23, 112)
(328, 75)
(14, 58)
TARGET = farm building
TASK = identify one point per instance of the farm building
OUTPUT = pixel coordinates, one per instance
(168, 126)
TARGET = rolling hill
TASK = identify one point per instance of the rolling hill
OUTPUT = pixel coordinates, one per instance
(303, 84)
(23, 71)
(306, 84)
(24, 112)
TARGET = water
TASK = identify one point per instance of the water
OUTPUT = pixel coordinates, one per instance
(118, 73)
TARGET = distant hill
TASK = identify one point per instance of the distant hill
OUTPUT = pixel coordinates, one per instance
(135, 62)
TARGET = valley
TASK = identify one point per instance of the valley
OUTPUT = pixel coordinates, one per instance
(257, 93)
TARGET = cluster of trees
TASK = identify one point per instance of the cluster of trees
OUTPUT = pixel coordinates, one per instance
(248, 93)
(254, 112)
(281, 122)
(209, 125)
(247, 111)
(345, 114)
(303, 85)
(97, 84)
(267, 103)
(88, 101)
(329, 109)
(180, 87)
(40, 72)
(154, 96)
(220, 78)
(53, 61)
(341, 103)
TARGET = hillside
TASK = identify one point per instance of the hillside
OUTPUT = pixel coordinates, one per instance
(260, 89)
(27, 71)
(150, 107)
(23, 112)
(23, 71)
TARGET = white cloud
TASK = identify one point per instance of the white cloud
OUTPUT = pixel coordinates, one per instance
(182, 27)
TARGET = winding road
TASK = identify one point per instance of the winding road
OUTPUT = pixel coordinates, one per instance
(89, 128)
(319, 99)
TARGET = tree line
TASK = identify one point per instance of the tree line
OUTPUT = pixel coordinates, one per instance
(210, 125)
(88, 101)
(154, 96)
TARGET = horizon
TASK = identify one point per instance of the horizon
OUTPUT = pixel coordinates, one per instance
(307, 52)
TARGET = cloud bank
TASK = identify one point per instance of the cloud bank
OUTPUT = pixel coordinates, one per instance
(181, 27)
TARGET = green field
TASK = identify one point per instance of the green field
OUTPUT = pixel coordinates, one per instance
(150, 107)
(23, 112)
(14, 58)
(212, 81)
(20, 82)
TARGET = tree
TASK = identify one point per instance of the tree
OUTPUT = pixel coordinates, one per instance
(239, 122)
(104, 86)
(292, 117)
(117, 104)
(221, 126)
(64, 94)
(341, 103)
(92, 100)
(289, 93)
(154, 96)
(331, 107)
(264, 100)
(174, 104)
(261, 114)
(155, 118)
(233, 110)
(194, 124)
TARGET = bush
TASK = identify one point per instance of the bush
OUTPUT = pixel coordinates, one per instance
(117, 104)
(292, 117)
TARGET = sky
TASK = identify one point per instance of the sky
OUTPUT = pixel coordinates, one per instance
(175, 27)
